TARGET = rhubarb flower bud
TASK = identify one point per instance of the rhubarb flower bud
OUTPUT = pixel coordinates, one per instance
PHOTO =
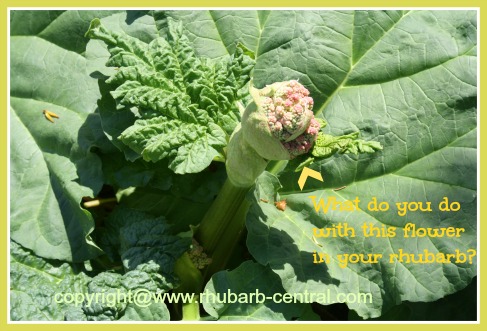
(280, 114)
(278, 125)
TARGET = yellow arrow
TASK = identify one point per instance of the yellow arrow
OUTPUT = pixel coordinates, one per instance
(307, 172)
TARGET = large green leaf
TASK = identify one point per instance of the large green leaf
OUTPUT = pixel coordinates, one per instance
(251, 292)
(185, 105)
(48, 72)
(52, 167)
(122, 295)
(460, 306)
(136, 24)
(148, 248)
(37, 287)
(64, 28)
(407, 80)
(136, 238)
(43, 290)
(284, 240)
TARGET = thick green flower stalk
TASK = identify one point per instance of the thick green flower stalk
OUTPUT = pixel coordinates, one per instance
(278, 125)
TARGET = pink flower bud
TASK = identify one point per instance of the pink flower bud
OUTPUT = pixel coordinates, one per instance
(288, 116)
(295, 97)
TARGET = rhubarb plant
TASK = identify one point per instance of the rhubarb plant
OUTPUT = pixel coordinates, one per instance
(172, 166)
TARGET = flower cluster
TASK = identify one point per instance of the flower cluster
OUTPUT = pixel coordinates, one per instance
(290, 117)
(198, 257)
(303, 143)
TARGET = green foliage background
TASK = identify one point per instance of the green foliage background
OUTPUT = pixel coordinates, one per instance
(404, 78)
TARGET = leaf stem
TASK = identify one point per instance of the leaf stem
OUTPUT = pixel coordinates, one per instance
(228, 240)
(276, 167)
(98, 202)
(220, 215)
(191, 282)
(224, 222)
(191, 310)
(217, 233)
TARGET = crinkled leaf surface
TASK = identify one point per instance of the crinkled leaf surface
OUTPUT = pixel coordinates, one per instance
(404, 78)
(151, 240)
(185, 104)
(154, 312)
(148, 249)
(139, 238)
(251, 278)
(144, 279)
(34, 283)
(48, 71)
(138, 25)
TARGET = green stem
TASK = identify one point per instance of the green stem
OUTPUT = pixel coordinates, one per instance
(191, 310)
(228, 241)
(219, 216)
(218, 233)
(275, 167)
(223, 223)
(191, 282)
